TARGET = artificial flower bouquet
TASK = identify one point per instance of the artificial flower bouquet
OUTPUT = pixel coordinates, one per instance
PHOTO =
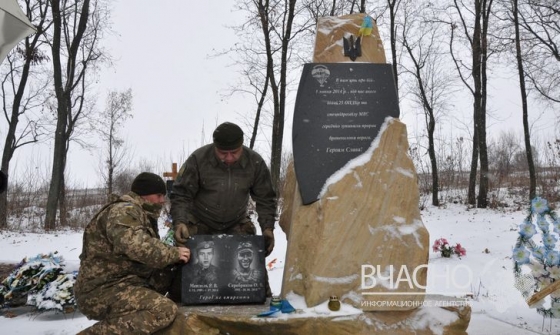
(442, 246)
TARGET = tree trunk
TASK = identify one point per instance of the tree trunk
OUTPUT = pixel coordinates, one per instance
(63, 87)
(471, 196)
(63, 212)
(486, 9)
(10, 147)
(57, 174)
(433, 160)
(4, 206)
(393, 40)
(260, 105)
(10, 144)
(477, 103)
(523, 93)
(277, 87)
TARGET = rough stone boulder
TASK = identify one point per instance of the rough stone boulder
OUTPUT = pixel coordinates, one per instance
(364, 240)
(331, 30)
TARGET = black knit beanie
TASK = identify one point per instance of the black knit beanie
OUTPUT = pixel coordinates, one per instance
(147, 183)
(228, 136)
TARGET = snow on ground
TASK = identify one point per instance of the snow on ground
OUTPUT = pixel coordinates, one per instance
(485, 273)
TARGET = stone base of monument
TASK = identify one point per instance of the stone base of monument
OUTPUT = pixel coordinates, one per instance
(446, 315)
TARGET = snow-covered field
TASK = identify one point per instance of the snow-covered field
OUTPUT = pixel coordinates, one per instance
(486, 272)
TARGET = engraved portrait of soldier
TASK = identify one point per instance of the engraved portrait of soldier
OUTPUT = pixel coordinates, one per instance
(245, 271)
(205, 272)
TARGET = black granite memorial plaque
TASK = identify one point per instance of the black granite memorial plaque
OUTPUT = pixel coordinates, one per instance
(224, 269)
(338, 112)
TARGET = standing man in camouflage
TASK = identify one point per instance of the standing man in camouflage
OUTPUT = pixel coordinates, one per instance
(211, 193)
(122, 273)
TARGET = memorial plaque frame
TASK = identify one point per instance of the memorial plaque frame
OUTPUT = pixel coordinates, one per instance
(339, 110)
(223, 280)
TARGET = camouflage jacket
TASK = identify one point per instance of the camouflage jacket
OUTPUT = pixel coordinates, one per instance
(121, 245)
(210, 192)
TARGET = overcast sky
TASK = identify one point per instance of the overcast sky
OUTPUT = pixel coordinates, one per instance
(161, 52)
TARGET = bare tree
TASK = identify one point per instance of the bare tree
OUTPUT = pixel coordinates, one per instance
(277, 24)
(533, 48)
(75, 50)
(117, 111)
(315, 9)
(22, 99)
(393, 6)
(523, 94)
(287, 30)
(266, 67)
(431, 86)
(253, 81)
(540, 19)
(472, 21)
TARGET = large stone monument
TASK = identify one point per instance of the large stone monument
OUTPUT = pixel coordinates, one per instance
(363, 240)
(356, 232)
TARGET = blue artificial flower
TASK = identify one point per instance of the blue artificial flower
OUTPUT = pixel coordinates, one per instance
(539, 205)
(552, 257)
(539, 252)
(555, 222)
(542, 223)
(521, 255)
(549, 240)
(527, 229)
(556, 226)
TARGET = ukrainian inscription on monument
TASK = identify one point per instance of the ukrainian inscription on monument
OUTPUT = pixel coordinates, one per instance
(224, 269)
(338, 112)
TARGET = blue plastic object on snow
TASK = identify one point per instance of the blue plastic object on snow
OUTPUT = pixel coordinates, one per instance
(285, 307)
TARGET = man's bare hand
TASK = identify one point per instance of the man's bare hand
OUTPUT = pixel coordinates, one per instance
(184, 254)
(181, 234)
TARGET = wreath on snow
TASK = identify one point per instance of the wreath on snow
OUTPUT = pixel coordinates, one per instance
(536, 257)
(41, 281)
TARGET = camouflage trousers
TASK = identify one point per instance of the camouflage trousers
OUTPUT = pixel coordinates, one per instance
(131, 310)
(245, 227)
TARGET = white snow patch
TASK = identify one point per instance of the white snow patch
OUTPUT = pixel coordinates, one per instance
(405, 172)
(297, 276)
(434, 318)
(321, 310)
(335, 280)
(398, 230)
